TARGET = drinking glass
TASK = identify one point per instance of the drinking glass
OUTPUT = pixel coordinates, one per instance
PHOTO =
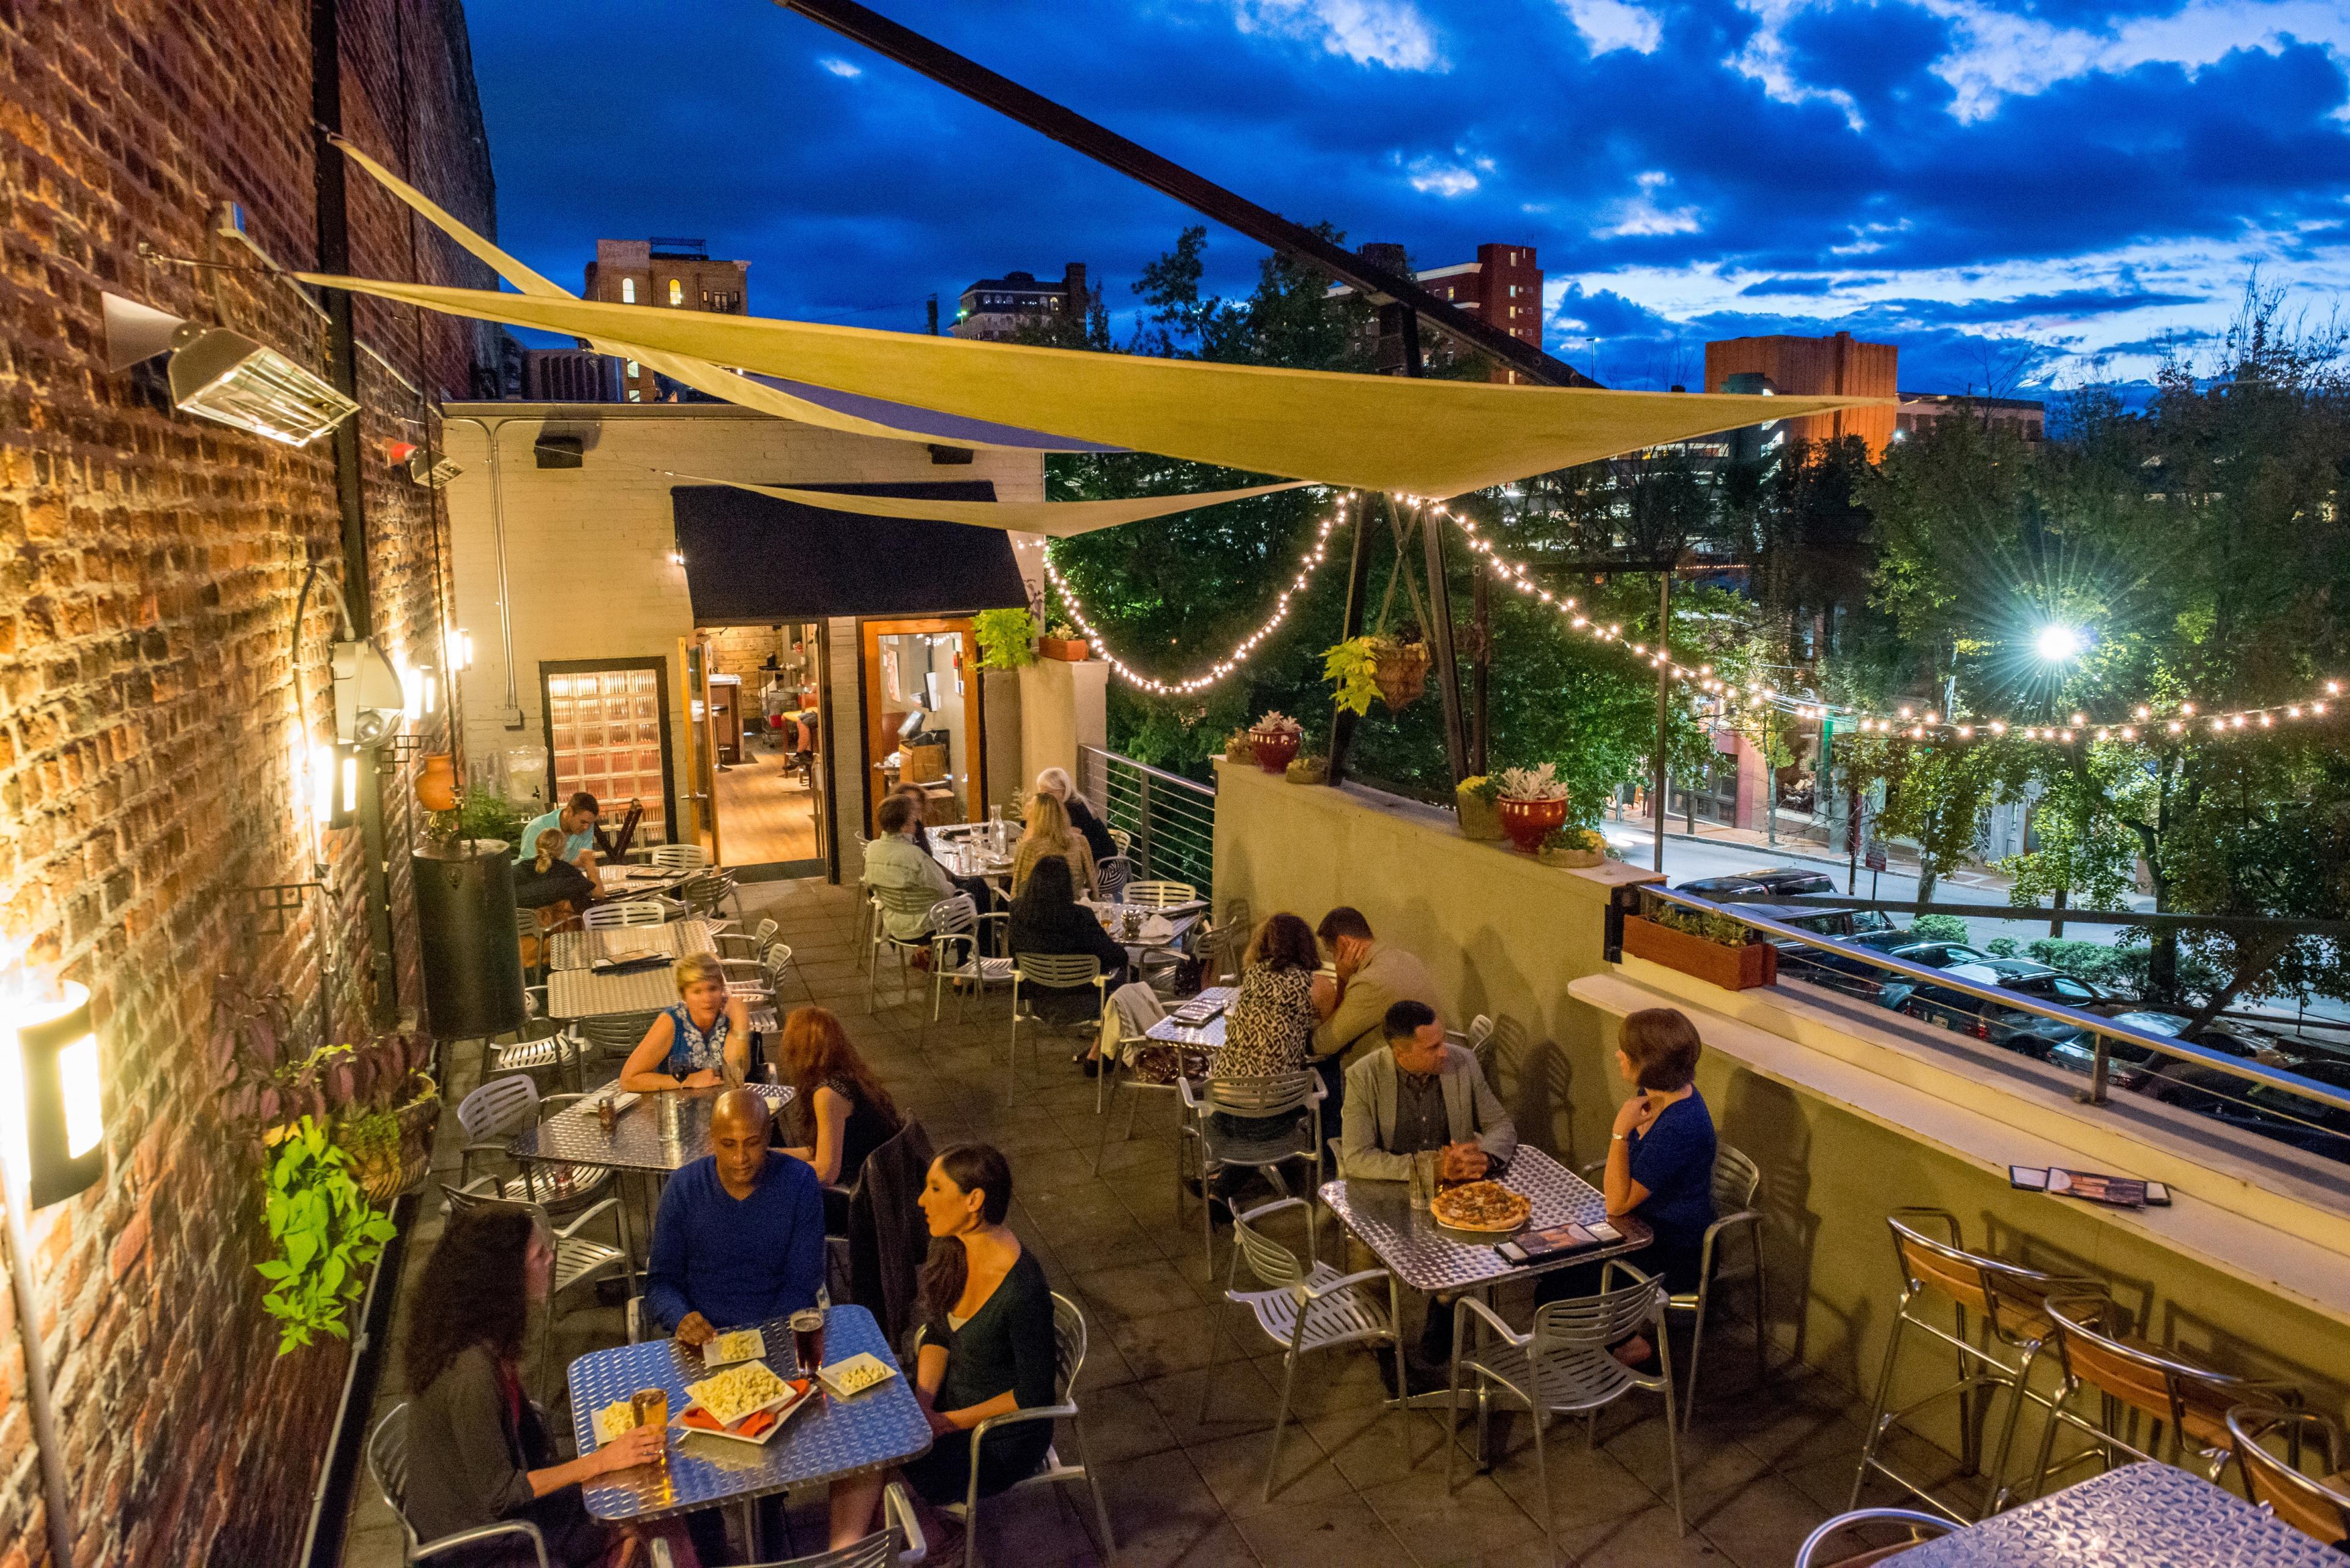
(651, 1407)
(1423, 1177)
(808, 1339)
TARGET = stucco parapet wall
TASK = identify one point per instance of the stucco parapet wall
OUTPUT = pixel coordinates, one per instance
(2244, 1206)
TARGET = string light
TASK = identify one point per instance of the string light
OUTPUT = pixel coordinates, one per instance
(1241, 649)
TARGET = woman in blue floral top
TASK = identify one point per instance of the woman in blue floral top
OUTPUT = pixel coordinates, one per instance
(702, 1041)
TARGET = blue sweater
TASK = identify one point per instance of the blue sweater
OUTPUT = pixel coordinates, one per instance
(736, 1263)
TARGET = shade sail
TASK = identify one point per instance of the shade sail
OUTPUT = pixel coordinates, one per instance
(1383, 433)
(1060, 519)
(755, 560)
(807, 405)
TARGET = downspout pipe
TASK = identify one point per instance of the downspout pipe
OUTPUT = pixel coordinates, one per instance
(511, 715)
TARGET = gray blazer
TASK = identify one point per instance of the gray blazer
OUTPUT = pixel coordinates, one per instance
(1471, 1110)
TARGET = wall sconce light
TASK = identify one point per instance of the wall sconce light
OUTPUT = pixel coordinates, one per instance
(225, 376)
(334, 786)
(52, 1111)
(461, 651)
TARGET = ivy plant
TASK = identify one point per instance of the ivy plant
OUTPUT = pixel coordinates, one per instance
(325, 1235)
(1353, 665)
(1006, 638)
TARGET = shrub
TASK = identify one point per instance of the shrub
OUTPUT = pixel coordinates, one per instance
(1941, 928)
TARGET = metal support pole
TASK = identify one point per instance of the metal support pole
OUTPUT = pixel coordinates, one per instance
(1142, 825)
(1481, 620)
(49, 1449)
(1350, 625)
(1440, 637)
(1659, 773)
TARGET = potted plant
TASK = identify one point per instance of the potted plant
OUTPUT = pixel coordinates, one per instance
(1061, 640)
(1275, 739)
(1714, 947)
(1353, 667)
(1531, 801)
(1309, 769)
(1006, 638)
(1399, 666)
(325, 1235)
(1239, 747)
(1472, 802)
(1573, 846)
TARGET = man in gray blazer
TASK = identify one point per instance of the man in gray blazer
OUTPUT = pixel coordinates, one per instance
(1418, 1092)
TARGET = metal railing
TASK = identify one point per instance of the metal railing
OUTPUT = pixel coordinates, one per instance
(1171, 819)
(1849, 973)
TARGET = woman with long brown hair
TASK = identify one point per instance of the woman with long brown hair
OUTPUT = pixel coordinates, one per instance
(988, 1346)
(852, 1114)
(1049, 836)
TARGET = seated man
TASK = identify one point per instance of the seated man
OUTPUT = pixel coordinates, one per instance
(739, 1238)
(575, 820)
(1372, 977)
(895, 861)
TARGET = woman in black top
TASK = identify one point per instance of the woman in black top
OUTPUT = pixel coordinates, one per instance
(848, 1111)
(548, 878)
(1054, 782)
(1047, 918)
(478, 1452)
(988, 1347)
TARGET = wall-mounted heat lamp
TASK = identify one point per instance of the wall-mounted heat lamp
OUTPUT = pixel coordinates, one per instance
(52, 1116)
(334, 786)
(225, 376)
(429, 469)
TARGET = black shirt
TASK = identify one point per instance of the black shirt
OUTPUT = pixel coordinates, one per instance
(1038, 927)
(868, 1129)
(1006, 1344)
(561, 882)
(1097, 838)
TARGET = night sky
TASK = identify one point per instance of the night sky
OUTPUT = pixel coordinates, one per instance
(1985, 182)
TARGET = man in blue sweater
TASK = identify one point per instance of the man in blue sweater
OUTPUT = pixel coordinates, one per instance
(739, 1239)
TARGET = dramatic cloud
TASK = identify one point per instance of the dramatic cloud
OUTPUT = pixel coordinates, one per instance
(1613, 25)
(1367, 32)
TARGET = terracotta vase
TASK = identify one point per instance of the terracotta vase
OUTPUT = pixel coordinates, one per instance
(1274, 748)
(436, 782)
(1526, 821)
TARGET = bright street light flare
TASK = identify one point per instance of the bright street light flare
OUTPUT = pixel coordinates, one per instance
(2059, 644)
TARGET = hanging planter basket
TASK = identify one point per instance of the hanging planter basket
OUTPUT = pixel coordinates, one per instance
(1401, 672)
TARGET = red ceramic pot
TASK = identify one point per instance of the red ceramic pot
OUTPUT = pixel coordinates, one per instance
(1526, 821)
(1274, 748)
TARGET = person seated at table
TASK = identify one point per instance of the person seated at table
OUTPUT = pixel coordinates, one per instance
(575, 820)
(739, 1237)
(1268, 1027)
(988, 1349)
(1046, 918)
(918, 799)
(893, 861)
(479, 1451)
(549, 882)
(1370, 977)
(702, 1041)
(1050, 836)
(1054, 782)
(852, 1114)
(1659, 1162)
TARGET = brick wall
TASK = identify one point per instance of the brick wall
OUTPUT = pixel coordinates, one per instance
(150, 714)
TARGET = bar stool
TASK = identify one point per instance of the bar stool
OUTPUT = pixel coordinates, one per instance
(2318, 1509)
(2009, 1302)
(2190, 1402)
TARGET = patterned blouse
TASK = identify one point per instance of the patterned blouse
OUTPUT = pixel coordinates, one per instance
(690, 1050)
(1270, 1025)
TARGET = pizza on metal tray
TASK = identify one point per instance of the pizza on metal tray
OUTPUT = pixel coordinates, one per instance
(1482, 1206)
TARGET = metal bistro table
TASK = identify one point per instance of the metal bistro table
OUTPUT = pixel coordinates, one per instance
(584, 993)
(1209, 1035)
(828, 1440)
(622, 883)
(1179, 918)
(2140, 1516)
(578, 950)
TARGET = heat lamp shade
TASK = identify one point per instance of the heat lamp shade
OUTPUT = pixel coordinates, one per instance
(226, 376)
(57, 1099)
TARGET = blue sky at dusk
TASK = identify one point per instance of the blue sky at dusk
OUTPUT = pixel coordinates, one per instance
(1961, 177)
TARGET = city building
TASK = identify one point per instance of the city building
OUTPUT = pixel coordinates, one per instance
(1504, 285)
(998, 307)
(2026, 417)
(1813, 367)
(675, 274)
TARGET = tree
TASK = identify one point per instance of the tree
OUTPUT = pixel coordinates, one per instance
(1936, 793)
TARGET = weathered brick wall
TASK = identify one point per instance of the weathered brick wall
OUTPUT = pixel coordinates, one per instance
(151, 716)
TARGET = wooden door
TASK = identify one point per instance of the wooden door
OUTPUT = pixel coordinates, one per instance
(699, 817)
(933, 664)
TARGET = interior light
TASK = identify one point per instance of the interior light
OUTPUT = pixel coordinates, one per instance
(52, 1095)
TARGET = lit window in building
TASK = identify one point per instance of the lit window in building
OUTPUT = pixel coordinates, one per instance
(628, 291)
(633, 371)
(676, 292)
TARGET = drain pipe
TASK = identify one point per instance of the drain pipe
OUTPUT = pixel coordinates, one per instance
(47, 1447)
(511, 714)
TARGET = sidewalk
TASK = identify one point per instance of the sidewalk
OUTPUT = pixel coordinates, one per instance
(1804, 851)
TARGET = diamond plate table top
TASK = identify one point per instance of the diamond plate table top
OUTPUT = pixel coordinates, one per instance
(1179, 918)
(1211, 1034)
(1428, 1257)
(583, 993)
(665, 1130)
(826, 1441)
(2140, 1516)
(620, 882)
(578, 949)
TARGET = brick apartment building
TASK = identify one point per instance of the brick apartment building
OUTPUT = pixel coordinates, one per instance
(2026, 417)
(998, 307)
(1504, 285)
(675, 274)
(154, 716)
(1811, 366)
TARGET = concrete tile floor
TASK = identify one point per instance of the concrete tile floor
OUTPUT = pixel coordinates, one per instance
(1356, 1484)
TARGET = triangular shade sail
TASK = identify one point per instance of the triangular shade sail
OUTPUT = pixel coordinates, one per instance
(1380, 432)
(1060, 519)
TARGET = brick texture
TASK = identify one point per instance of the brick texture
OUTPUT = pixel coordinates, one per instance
(152, 710)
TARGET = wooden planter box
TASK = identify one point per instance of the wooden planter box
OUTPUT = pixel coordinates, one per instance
(1068, 650)
(1732, 968)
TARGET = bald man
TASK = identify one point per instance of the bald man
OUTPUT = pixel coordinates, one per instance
(739, 1239)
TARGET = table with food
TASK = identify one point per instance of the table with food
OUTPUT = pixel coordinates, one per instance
(661, 1131)
(1140, 928)
(611, 947)
(1453, 1245)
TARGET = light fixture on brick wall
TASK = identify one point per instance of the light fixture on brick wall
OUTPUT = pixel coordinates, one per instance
(433, 470)
(334, 784)
(369, 700)
(52, 1105)
(225, 376)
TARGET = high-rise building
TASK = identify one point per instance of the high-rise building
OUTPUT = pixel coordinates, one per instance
(673, 274)
(1813, 367)
(2026, 417)
(998, 307)
(1504, 285)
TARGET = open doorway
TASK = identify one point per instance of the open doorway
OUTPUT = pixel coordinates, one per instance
(922, 715)
(764, 735)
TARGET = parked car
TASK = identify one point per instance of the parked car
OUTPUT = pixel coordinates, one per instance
(2291, 1118)
(1901, 942)
(1838, 923)
(2011, 1027)
(2144, 1070)
(2036, 980)
(1771, 882)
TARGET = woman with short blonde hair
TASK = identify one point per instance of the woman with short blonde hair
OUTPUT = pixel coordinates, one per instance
(1049, 834)
(1055, 783)
(704, 1041)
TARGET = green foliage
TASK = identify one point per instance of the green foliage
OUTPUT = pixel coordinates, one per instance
(1719, 929)
(1351, 665)
(2001, 947)
(325, 1233)
(1006, 638)
(1935, 793)
(1483, 787)
(1939, 928)
(486, 813)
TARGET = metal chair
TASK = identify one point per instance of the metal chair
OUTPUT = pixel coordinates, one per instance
(2318, 1509)
(541, 1044)
(1304, 1310)
(1123, 839)
(899, 1541)
(745, 945)
(2010, 1305)
(1736, 1179)
(1106, 1084)
(1049, 971)
(1068, 1360)
(706, 892)
(578, 1259)
(386, 1457)
(2188, 1401)
(613, 1034)
(499, 1110)
(1272, 1104)
(1160, 895)
(529, 941)
(959, 952)
(634, 912)
(679, 856)
(1807, 1555)
(1111, 875)
(922, 901)
(1564, 1366)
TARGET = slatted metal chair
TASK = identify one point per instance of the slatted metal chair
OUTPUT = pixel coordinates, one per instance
(386, 1457)
(773, 965)
(1068, 1360)
(1123, 839)
(530, 942)
(630, 912)
(753, 944)
(705, 893)
(496, 1112)
(2009, 1304)
(899, 1541)
(1049, 973)
(1922, 1527)
(1736, 1179)
(679, 856)
(890, 901)
(2318, 1509)
(578, 1259)
(958, 953)
(1225, 942)
(1563, 1366)
(1111, 875)
(612, 1034)
(541, 1045)
(1285, 1111)
(1160, 895)
(1303, 1309)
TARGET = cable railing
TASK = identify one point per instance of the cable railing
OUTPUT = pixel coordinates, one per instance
(2305, 1112)
(1170, 820)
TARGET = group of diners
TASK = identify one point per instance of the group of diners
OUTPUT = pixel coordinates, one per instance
(738, 1240)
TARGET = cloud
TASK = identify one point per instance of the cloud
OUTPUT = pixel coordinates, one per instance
(1437, 177)
(839, 67)
(1608, 24)
(1390, 33)
(1641, 215)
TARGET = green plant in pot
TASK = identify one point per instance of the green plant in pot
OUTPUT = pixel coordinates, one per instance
(1533, 801)
(1275, 739)
(1006, 638)
(1474, 801)
(325, 1234)
(486, 814)
(1309, 769)
(1573, 846)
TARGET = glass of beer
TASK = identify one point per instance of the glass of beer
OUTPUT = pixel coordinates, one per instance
(808, 1339)
(651, 1407)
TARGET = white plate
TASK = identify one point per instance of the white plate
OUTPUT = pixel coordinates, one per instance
(785, 1406)
(711, 1358)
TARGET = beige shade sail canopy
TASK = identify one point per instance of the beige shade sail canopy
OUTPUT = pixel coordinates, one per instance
(1377, 432)
(1058, 519)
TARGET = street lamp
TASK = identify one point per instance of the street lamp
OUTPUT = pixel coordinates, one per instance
(2058, 644)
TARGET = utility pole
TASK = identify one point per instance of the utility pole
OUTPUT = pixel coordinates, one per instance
(934, 315)
(1659, 773)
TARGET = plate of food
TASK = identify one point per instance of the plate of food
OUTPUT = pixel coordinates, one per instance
(1485, 1207)
(619, 1417)
(735, 1344)
(747, 1403)
(856, 1374)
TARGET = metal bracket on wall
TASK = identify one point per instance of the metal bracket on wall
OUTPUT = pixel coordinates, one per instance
(269, 909)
